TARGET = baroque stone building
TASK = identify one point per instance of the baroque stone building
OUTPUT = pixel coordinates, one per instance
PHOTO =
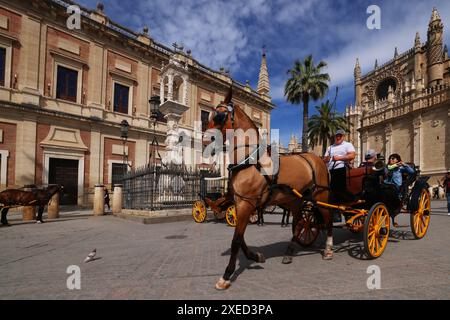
(403, 106)
(64, 93)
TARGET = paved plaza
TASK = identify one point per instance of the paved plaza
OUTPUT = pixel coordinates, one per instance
(183, 260)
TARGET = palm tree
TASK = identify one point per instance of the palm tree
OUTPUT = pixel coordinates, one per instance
(322, 126)
(306, 82)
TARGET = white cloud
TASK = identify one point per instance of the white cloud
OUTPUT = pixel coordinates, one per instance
(214, 30)
(368, 45)
(289, 11)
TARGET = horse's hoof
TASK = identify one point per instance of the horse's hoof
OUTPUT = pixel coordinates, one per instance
(5, 224)
(223, 284)
(39, 221)
(261, 258)
(286, 260)
(327, 255)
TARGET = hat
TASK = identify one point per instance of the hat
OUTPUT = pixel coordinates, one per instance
(370, 154)
(339, 131)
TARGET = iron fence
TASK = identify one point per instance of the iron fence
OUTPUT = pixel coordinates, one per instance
(157, 188)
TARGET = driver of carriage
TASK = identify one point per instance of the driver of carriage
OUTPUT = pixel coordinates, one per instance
(394, 171)
(337, 157)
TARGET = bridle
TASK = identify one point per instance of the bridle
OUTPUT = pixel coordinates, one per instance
(221, 116)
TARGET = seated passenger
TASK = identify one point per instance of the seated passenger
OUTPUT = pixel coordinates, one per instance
(369, 159)
(395, 168)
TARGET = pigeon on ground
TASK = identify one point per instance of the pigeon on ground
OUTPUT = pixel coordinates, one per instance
(91, 256)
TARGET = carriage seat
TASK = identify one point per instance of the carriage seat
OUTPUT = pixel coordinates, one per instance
(354, 179)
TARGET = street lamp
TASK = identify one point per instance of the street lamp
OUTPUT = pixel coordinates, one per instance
(154, 103)
(124, 126)
(154, 106)
(124, 129)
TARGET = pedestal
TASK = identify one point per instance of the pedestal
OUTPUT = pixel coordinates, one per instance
(117, 199)
(53, 207)
(173, 111)
(99, 200)
(29, 213)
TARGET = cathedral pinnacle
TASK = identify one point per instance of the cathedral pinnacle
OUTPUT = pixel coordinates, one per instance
(417, 40)
(263, 80)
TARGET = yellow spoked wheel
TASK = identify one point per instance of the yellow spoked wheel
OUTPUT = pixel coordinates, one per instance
(199, 211)
(230, 216)
(420, 219)
(376, 230)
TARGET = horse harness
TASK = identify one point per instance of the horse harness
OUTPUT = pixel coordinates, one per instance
(272, 182)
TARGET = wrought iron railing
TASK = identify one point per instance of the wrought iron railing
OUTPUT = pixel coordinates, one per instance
(158, 188)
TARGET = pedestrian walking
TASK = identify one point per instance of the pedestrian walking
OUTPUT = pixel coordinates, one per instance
(446, 186)
(106, 196)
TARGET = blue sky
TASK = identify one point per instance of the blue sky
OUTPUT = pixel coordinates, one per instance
(231, 33)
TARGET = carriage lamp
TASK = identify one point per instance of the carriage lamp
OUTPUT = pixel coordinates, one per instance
(124, 129)
(154, 107)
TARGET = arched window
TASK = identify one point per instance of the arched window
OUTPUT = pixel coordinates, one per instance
(383, 87)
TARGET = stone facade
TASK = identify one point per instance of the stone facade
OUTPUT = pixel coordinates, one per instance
(403, 106)
(83, 133)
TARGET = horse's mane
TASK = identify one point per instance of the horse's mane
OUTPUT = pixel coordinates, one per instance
(253, 125)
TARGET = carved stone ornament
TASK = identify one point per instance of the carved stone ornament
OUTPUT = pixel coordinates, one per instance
(392, 72)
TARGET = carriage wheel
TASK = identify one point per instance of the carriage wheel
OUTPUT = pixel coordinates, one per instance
(309, 228)
(376, 230)
(230, 216)
(420, 219)
(199, 211)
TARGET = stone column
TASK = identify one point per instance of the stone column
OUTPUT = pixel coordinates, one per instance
(388, 136)
(417, 123)
(53, 207)
(170, 87)
(364, 144)
(29, 213)
(99, 200)
(185, 90)
(161, 89)
(117, 199)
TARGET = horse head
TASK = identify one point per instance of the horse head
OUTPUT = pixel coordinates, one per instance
(223, 116)
(55, 188)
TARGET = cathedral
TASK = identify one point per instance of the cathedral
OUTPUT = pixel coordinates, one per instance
(403, 106)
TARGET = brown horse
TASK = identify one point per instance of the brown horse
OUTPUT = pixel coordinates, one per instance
(16, 197)
(306, 173)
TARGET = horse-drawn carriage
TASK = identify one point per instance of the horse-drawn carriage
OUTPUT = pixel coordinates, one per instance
(300, 183)
(373, 205)
(214, 194)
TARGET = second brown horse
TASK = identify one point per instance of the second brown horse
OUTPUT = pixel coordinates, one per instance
(16, 197)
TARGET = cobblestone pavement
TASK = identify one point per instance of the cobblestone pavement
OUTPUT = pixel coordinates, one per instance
(183, 260)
